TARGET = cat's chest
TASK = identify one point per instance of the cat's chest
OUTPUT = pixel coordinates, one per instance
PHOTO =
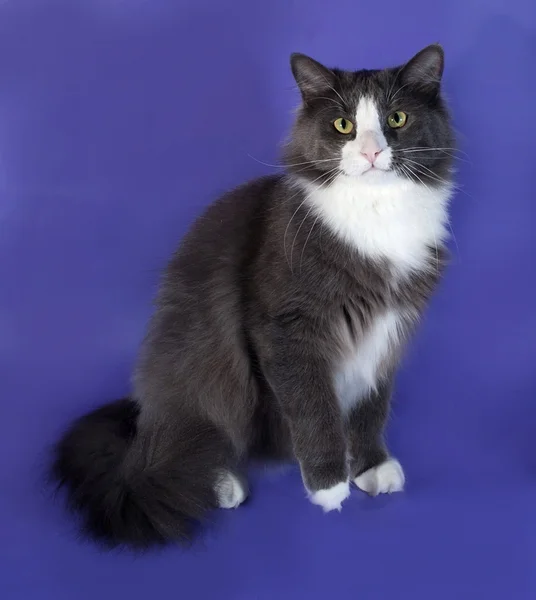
(367, 357)
(393, 223)
(398, 221)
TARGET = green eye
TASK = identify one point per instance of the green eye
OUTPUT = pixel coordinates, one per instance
(343, 126)
(397, 119)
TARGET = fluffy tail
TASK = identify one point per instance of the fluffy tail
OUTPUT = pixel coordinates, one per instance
(140, 486)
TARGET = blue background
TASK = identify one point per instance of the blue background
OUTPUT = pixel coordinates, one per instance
(119, 121)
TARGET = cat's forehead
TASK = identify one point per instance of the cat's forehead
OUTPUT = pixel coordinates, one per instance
(374, 84)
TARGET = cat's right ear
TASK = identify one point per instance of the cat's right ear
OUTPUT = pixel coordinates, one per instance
(312, 78)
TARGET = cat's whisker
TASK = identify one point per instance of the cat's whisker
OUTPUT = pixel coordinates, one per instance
(307, 197)
(331, 100)
(431, 175)
(448, 222)
(288, 225)
(290, 198)
(286, 165)
(432, 155)
(436, 148)
(329, 181)
(307, 239)
(315, 163)
(336, 92)
(427, 173)
(451, 152)
(391, 88)
(326, 81)
(328, 108)
(296, 211)
(391, 101)
(427, 216)
(298, 231)
(416, 166)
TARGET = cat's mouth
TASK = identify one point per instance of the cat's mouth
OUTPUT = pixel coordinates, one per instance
(375, 169)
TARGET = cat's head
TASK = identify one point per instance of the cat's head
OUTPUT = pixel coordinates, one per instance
(376, 125)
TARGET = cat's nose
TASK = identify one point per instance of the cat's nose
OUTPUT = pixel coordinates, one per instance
(371, 155)
(370, 147)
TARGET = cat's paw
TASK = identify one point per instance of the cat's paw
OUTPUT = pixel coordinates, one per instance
(386, 478)
(230, 490)
(331, 498)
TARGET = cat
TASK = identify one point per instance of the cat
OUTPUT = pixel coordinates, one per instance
(281, 318)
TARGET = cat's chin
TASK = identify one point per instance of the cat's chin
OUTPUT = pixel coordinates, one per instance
(375, 172)
(374, 176)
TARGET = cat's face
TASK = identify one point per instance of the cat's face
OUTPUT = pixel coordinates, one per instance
(373, 125)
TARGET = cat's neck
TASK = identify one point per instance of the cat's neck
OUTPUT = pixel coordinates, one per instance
(397, 219)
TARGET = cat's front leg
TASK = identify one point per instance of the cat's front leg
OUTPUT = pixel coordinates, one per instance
(303, 388)
(371, 467)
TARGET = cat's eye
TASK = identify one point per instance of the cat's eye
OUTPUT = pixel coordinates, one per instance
(397, 119)
(343, 125)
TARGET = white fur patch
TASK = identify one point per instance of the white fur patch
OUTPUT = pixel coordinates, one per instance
(383, 479)
(230, 491)
(355, 376)
(384, 216)
(332, 498)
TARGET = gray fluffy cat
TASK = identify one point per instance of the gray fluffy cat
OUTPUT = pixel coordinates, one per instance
(281, 317)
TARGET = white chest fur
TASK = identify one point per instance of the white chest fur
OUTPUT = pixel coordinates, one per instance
(383, 216)
(357, 372)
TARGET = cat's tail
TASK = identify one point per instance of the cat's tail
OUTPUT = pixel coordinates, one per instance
(142, 484)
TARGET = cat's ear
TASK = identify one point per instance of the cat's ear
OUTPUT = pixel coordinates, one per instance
(312, 78)
(425, 69)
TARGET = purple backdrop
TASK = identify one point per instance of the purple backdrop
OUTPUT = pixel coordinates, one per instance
(119, 121)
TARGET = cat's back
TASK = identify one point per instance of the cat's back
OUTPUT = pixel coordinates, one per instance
(197, 324)
(223, 238)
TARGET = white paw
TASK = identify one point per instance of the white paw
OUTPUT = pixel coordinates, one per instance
(230, 490)
(332, 498)
(383, 479)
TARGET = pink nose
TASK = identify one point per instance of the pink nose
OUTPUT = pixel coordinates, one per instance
(371, 154)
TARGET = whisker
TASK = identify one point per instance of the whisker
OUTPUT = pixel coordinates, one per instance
(431, 158)
(298, 231)
(336, 92)
(435, 239)
(323, 184)
(436, 148)
(307, 239)
(331, 100)
(288, 225)
(391, 101)
(431, 175)
(296, 211)
(393, 85)
(331, 87)
(448, 151)
(429, 172)
(331, 180)
(284, 166)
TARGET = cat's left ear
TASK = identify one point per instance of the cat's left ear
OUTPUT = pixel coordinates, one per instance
(312, 78)
(425, 69)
